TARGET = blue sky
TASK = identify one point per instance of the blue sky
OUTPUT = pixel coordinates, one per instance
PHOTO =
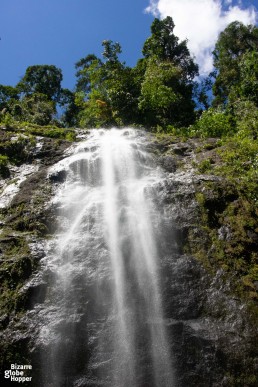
(60, 32)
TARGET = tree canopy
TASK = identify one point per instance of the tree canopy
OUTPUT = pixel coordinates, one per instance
(167, 84)
(7, 93)
(43, 79)
(154, 92)
(166, 46)
(160, 91)
(233, 44)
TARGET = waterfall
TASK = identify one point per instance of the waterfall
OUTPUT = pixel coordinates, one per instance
(104, 323)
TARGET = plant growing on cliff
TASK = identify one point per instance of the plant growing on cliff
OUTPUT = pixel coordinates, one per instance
(35, 108)
(213, 123)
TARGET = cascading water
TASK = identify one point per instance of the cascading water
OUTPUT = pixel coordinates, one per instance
(104, 323)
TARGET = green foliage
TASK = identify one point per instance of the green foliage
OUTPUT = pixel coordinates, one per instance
(35, 108)
(42, 79)
(247, 87)
(39, 92)
(202, 93)
(16, 148)
(233, 43)
(181, 132)
(204, 166)
(157, 88)
(165, 45)
(237, 161)
(91, 96)
(166, 85)
(158, 91)
(164, 98)
(246, 118)
(49, 131)
(228, 215)
(20, 139)
(70, 109)
(7, 93)
(70, 136)
(123, 92)
(111, 51)
(96, 112)
(240, 158)
(16, 269)
(106, 90)
(212, 123)
(84, 68)
(7, 119)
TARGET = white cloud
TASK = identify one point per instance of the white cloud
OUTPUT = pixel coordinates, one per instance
(201, 21)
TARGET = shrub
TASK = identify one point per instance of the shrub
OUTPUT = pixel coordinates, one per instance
(246, 115)
(212, 123)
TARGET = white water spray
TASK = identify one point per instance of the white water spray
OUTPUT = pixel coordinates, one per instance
(107, 289)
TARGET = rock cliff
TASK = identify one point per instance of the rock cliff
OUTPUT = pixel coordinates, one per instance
(210, 229)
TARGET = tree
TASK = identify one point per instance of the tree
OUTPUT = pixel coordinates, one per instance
(165, 46)
(213, 122)
(92, 71)
(90, 92)
(84, 68)
(247, 87)
(233, 43)
(155, 92)
(35, 108)
(111, 51)
(7, 93)
(164, 98)
(67, 103)
(246, 118)
(42, 79)
(106, 91)
(167, 84)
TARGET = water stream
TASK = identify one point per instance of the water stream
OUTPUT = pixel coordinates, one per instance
(104, 323)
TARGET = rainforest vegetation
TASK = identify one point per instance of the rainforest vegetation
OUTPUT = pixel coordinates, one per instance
(161, 93)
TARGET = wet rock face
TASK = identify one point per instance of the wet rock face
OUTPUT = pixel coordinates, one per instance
(212, 332)
(168, 163)
(209, 332)
(25, 213)
(212, 338)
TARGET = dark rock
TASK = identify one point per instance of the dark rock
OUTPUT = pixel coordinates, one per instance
(181, 149)
(162, 145)
(4, 321)
(253, 236)
(30, 295)
(168, 163)
(186, 296)
(29, 187)
(58, 176)
(52, 151)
